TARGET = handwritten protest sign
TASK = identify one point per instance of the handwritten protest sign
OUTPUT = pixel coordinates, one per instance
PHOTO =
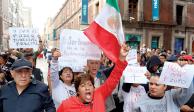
(133, 74)
(23, 38)
(174, 75)
(132, 56)
(76, 49)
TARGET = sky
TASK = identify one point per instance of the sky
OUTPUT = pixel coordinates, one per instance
(41, 10)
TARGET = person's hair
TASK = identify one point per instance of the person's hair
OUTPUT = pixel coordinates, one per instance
(5, 56)
(164, 55)
(156, 74)
(153, 61)
(53, 50)
(61, 72)
(81, 79)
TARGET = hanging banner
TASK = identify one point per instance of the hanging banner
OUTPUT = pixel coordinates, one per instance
(84, 19)
(155, 10)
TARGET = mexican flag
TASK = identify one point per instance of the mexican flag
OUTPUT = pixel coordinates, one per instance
(107, 31)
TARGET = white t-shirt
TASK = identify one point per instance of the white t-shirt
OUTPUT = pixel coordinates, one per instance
(131, 98)
(62, 92)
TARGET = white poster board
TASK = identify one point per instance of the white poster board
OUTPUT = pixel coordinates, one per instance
(23, 38)
(133, 74)
(174, 75)
(76, 49)
(132, 57)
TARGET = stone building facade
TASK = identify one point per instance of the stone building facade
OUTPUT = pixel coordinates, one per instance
(174, 30)
(10, 16)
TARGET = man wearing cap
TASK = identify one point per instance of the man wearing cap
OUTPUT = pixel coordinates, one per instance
(24, 94)
(188, 58)
(182, 53)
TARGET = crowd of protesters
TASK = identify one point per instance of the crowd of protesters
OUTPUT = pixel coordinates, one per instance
(97, 89)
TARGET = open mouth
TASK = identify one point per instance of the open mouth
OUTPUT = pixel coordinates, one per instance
(94, 70)
(88, 96)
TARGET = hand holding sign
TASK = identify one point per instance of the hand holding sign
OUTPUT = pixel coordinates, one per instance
(56, 54)
(174, 75)
(132, 56)
(124, 52)
(133, 74)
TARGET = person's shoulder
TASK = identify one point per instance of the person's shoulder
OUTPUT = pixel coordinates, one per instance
(39, 83)
(70, 101)
(144, 99)
(40, 86)
(7, 86)
(36, 70)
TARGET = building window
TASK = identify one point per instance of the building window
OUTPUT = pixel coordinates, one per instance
(133, 40)
(179, 45)
(155, 42)
(179, 14)
(132, 9)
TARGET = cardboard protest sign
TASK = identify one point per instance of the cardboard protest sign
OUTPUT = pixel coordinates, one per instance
(133, 74)
(174, 75)
(132, 56)
(76, 49)
(23, 38)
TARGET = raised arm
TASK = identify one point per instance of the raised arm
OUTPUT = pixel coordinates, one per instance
(54, 76)
(110, 84)
(182, 95)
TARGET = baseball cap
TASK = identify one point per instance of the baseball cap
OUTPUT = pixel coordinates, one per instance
(188, 57)
(20, 64)
(172, 58)
(183, 52)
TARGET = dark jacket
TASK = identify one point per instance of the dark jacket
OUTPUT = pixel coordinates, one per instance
(7, 67)
(37, 74)
(190, 103)
(35, 98)
(154, 60)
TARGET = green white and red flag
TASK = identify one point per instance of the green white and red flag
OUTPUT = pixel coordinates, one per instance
(107, 31)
